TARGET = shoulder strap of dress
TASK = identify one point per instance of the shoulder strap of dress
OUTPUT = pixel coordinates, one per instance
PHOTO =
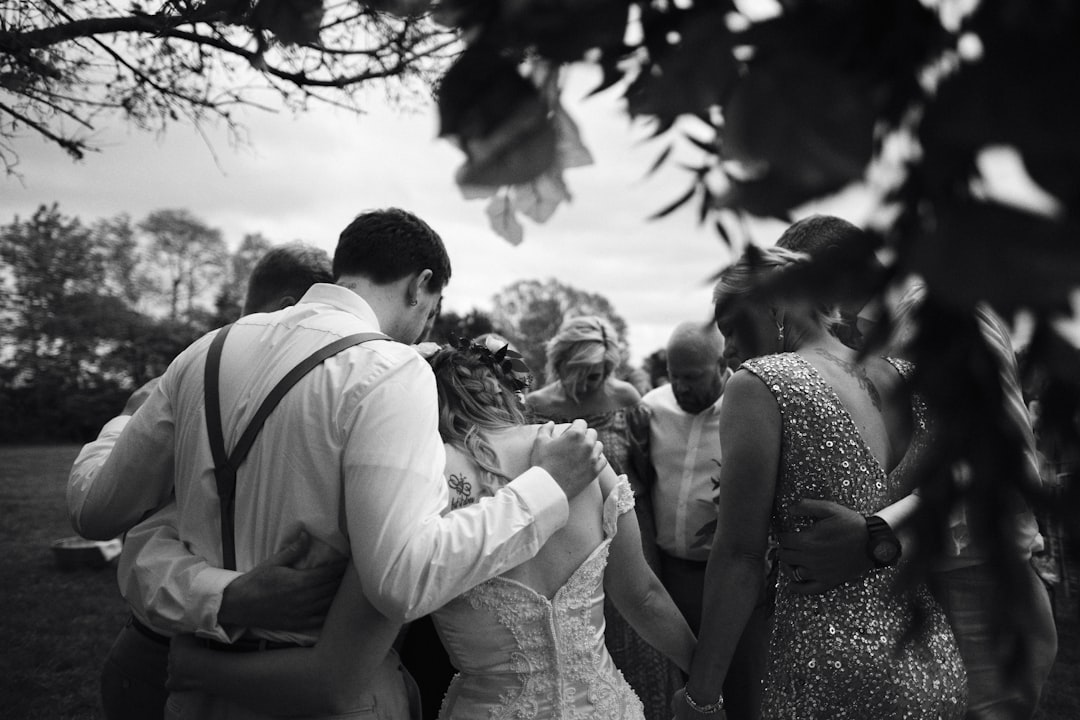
(226, 464)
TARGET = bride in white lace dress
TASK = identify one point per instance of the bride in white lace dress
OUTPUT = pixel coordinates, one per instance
(530, 643)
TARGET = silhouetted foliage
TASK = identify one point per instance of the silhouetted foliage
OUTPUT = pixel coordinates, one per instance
(66, 67)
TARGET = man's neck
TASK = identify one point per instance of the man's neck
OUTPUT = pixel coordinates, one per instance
(378, 297)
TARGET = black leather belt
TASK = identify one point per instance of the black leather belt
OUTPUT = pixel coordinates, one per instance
(248, 644)
(147, 632)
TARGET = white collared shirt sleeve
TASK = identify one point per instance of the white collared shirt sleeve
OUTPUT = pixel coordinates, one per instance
(87, 465)
(169, 588)
(412, 559)
(134, 478)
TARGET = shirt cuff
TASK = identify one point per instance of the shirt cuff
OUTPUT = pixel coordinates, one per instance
(544, 498)
(209, 584)
(899, 513)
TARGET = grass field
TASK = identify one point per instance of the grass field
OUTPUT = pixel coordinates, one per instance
(56, 626)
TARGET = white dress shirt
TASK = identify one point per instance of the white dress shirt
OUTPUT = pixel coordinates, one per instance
(685, 452)
(352, 454)
(179, 592)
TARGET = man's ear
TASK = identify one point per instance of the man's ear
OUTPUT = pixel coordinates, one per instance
(417, 283)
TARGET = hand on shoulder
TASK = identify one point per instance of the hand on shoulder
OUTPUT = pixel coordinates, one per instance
(624, 393)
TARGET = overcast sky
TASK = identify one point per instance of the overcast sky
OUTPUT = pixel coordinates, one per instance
(306, 177)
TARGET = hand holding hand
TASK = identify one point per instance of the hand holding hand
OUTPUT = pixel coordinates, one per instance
(279, 594)
(573, 458)
(681, 710)
(829, 552)
(140, 395)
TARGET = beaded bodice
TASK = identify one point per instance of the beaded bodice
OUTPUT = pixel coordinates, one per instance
(523, 655)
(844, 653)
(822, 454)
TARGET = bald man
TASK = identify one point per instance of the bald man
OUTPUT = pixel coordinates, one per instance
(683, 467)
(684, 451)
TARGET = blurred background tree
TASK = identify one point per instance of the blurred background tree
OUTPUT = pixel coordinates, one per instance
(528, 313)
(87, 315)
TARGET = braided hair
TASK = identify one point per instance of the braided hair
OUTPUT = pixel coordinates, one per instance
(474, 397)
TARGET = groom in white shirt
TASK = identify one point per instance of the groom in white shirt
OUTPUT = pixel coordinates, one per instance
(352, 454)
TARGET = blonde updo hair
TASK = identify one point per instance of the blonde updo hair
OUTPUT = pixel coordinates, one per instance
(746, 279)
(473, 397)
(581, 343)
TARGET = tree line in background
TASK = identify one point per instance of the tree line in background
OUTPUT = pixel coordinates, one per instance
(90, 311)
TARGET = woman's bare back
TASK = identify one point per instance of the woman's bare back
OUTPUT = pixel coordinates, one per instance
(875, 397)
(569, 547)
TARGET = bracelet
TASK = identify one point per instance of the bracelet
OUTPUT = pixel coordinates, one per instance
(710, 709)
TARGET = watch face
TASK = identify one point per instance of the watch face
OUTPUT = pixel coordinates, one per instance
(884, 551)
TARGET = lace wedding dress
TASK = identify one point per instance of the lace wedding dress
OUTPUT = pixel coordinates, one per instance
(523, 655)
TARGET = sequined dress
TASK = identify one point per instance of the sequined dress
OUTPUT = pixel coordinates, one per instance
(652, 675)
(522, 655)
(842, 654)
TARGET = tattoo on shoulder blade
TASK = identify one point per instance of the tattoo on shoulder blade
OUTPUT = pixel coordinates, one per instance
(858, 373)
(462, 489)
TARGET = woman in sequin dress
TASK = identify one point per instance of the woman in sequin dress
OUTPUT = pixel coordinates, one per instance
(812, 420)
(581, 359)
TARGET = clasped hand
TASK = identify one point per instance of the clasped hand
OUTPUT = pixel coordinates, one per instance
(282, 592)
(829, 552)
(681, 710)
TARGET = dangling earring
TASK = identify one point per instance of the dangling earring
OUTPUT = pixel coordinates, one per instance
(780, 334)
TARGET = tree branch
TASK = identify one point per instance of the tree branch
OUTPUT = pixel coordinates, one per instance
(90, 27)
(75, 148)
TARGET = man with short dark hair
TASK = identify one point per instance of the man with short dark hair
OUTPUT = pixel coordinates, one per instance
(133, 675)
(351, 454)
(837, 240)
(282, 276)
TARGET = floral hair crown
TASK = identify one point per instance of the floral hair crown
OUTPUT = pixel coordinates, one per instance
(504, 362)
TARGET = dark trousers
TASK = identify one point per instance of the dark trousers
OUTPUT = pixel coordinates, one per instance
(744, 684)
(133, 677)
(423, 656)
(1001, 684)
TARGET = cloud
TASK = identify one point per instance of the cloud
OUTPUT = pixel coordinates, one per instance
(305, 177)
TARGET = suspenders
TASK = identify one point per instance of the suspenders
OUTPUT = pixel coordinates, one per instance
(225, 464)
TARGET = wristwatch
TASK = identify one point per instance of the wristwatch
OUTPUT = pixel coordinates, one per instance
(882, 545)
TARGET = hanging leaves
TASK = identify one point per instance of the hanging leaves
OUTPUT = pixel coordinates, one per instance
(504, 222)
(538, 200)
(1010, 258)
(400, 8)
(807, 123)
(498, 118)
(690, 67)
(293, 22)
(561, 30)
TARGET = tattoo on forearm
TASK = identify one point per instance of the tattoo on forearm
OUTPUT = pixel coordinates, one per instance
(858, 373)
